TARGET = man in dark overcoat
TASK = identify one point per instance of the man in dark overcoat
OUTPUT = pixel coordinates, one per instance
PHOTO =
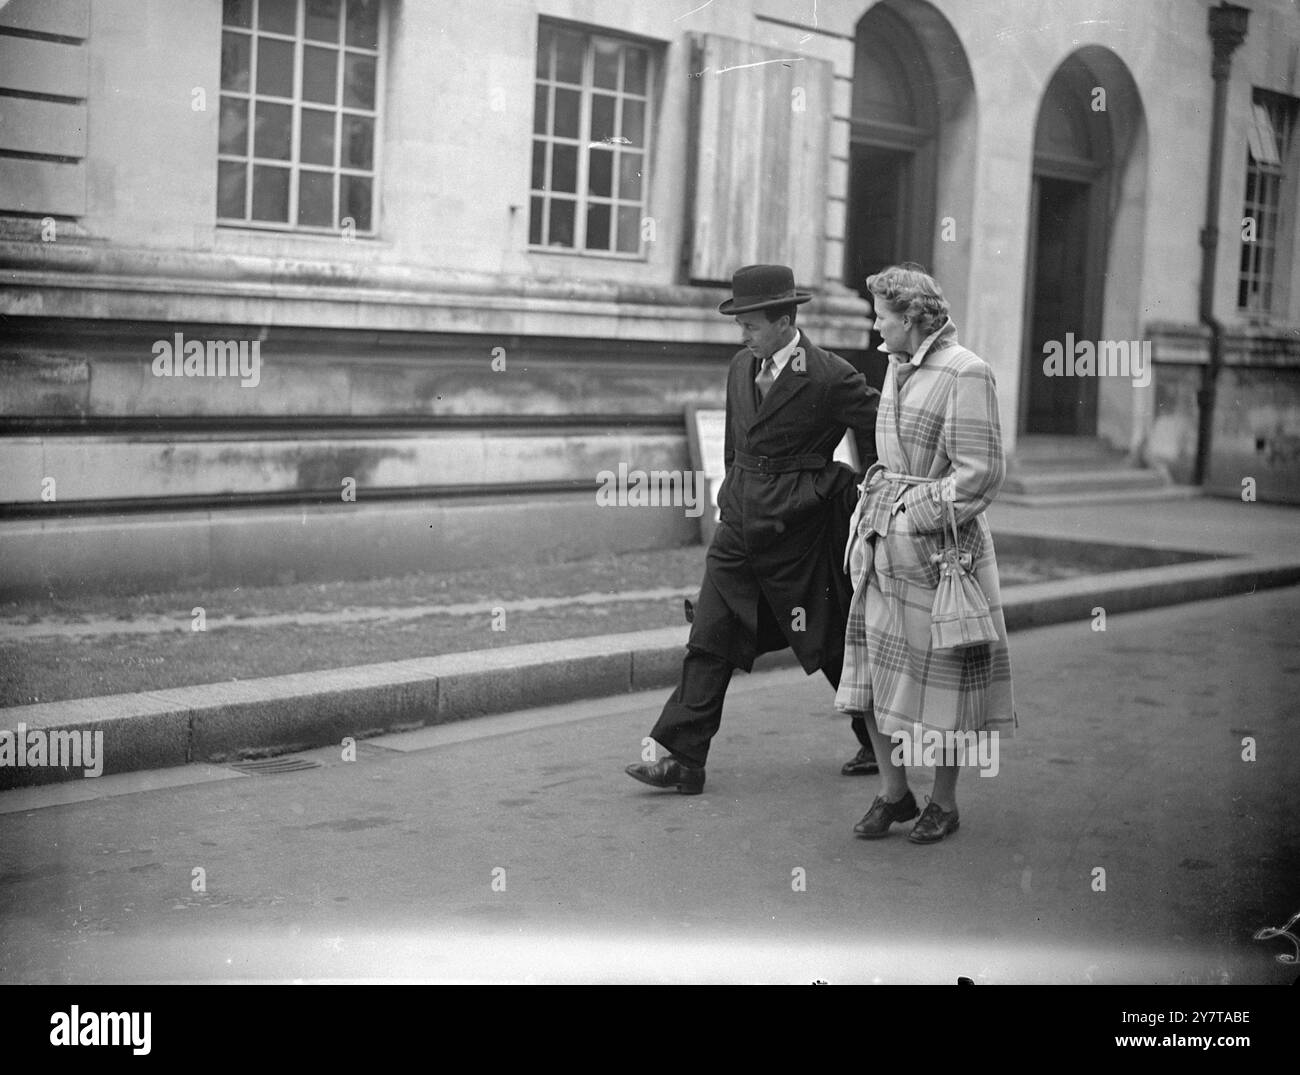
(774, 574)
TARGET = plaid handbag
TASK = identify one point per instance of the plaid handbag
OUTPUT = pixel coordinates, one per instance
(961, 616)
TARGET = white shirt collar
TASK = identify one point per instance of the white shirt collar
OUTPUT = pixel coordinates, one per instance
(781, 357)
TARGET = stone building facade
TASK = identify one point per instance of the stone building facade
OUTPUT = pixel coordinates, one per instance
(330, 288)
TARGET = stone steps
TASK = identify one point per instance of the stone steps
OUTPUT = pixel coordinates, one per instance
(1064, 470)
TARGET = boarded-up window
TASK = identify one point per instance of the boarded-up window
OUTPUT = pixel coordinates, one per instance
(760, 145)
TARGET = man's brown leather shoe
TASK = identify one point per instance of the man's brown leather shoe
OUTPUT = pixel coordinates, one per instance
(669, 773)
(876, 821)
(863, 764)
(935, 824)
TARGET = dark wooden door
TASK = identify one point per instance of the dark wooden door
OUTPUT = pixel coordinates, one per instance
(877, 230)
(878, 186)
(1060, 308)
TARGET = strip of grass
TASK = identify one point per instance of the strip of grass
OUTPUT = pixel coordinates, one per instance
(54, 669)
(506, 582)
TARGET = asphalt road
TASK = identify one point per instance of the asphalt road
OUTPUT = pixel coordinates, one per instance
(514, 848)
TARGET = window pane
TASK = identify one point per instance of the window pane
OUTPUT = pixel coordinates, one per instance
(561, 222)
(629, 175)
(545, 39)
(279, 16)
(535, 222)
(316, 199)
(633, 122)
(598, 227)
(236, 50)
(359, 81)
(237, 13)
(320, 74)
(322, 22)
(272, 131)
(304, 124)
(274, 67)
(1270, 136)
(540, 114)
(234, 126)
(600, 174)
(354, 194)
(317, 137)
(270, 193)
(629, 229)
(358, 142)
(605, 73)
(634, 70)
(539, 165)
(602, 117)
(590, 91)
(567, 106)
(230, 190)
(363, 24)
(568, 57)
(564, 169)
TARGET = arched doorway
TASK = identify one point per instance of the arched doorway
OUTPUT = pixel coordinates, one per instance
(1068, 234)
(912, 141)
(893, 128)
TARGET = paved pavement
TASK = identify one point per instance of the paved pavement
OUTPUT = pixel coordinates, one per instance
(512, 847)
(1209, 524)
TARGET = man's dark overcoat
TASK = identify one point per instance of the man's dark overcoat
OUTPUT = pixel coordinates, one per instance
(782, 531)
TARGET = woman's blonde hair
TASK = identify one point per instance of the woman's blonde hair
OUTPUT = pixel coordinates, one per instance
(909, 289)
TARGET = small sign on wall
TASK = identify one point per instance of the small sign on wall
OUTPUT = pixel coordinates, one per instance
(706, 429)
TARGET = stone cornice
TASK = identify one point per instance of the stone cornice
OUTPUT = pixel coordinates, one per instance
(81, 280)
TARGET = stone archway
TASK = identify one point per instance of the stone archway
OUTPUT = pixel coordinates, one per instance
(1083, 271)
(912, 146)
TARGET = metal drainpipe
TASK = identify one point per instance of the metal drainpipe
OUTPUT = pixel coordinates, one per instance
(1227, 29)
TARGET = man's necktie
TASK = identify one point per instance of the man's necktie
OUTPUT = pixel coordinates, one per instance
(765, 377)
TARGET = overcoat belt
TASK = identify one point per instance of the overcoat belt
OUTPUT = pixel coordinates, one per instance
(784, 509)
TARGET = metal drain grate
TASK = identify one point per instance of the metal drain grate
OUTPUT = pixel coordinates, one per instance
(271, 766)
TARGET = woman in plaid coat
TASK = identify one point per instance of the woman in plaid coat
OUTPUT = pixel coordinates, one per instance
(937, 437)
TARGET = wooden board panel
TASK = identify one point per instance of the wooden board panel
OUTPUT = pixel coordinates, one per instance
(706, 434)
(761, 171)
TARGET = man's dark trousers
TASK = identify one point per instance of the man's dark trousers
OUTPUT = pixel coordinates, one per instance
(693, 713)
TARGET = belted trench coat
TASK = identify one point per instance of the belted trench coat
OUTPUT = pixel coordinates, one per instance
(784, 508)
(941, 426)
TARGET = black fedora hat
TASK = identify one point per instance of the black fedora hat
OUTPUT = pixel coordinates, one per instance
(756, 287)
